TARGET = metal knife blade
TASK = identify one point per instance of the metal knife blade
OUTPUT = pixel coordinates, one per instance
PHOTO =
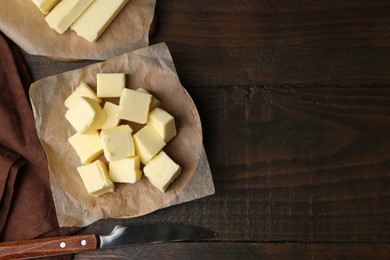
(153, 233)
(120, 236)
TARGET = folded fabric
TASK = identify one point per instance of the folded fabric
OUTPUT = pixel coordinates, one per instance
(10, 163)
(26, 203)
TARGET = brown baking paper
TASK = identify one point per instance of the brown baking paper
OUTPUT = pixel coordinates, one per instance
(151, 68)
(23, 23)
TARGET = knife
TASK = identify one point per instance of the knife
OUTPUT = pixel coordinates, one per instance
(120, 236)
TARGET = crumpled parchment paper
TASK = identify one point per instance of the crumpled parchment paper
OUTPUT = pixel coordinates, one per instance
(151, 68)
(23, 23)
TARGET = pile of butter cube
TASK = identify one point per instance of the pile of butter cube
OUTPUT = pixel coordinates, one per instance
(88, 18)
(99, 130)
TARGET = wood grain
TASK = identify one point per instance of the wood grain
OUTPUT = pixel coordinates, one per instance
(219, 43)
(229, 250)
(263, 42)
(291, 164)
(294, 102)
(298, 163)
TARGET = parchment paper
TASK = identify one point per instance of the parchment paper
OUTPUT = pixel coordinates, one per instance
(151, 68)
(23, 23)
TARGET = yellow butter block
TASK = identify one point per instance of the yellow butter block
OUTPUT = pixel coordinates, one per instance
(117, 142)
(163, 123)
(86, 116)
(87, 146)
(125, 170)
(110, 85)
(147, 143)
(95, 178)
(45, 5)
(83, 90)
(98, 16)
(112, 118)
(161, 171)
(134, 106)
(65, 13)
(154, 102)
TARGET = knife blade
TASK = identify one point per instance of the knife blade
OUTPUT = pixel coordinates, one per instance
(120, 236)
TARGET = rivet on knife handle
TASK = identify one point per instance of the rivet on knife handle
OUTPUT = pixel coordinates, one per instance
(47, 247)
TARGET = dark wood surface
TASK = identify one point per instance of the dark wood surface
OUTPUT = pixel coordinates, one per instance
(294, 100)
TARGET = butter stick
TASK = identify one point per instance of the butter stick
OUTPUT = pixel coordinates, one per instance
(45, 5)
(98, 16)
(65, 13)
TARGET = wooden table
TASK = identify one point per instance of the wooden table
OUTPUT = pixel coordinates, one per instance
(294, 100)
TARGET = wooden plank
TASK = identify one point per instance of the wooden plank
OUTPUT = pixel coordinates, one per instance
(243, 251)
(299, 164)
(41, 67)
(291, 164)
(260, 42)
(308, 161)
(277, 42)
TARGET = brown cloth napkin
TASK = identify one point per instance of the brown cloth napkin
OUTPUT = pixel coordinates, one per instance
(26, 204)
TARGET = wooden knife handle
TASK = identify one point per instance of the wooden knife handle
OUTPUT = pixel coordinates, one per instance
(47, 246)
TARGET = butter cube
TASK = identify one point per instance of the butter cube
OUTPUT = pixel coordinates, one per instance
(45, 5)
(163, 123)
(98, 16)
(147, 143)
(95, 178)
(65, 13)
(110, 84)
(154, 102)
(126, 170)
(112, 118)
(83, 90)
(86, 116)
(117, 142)
(162, 171)
(134, 106)
(87, 146)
